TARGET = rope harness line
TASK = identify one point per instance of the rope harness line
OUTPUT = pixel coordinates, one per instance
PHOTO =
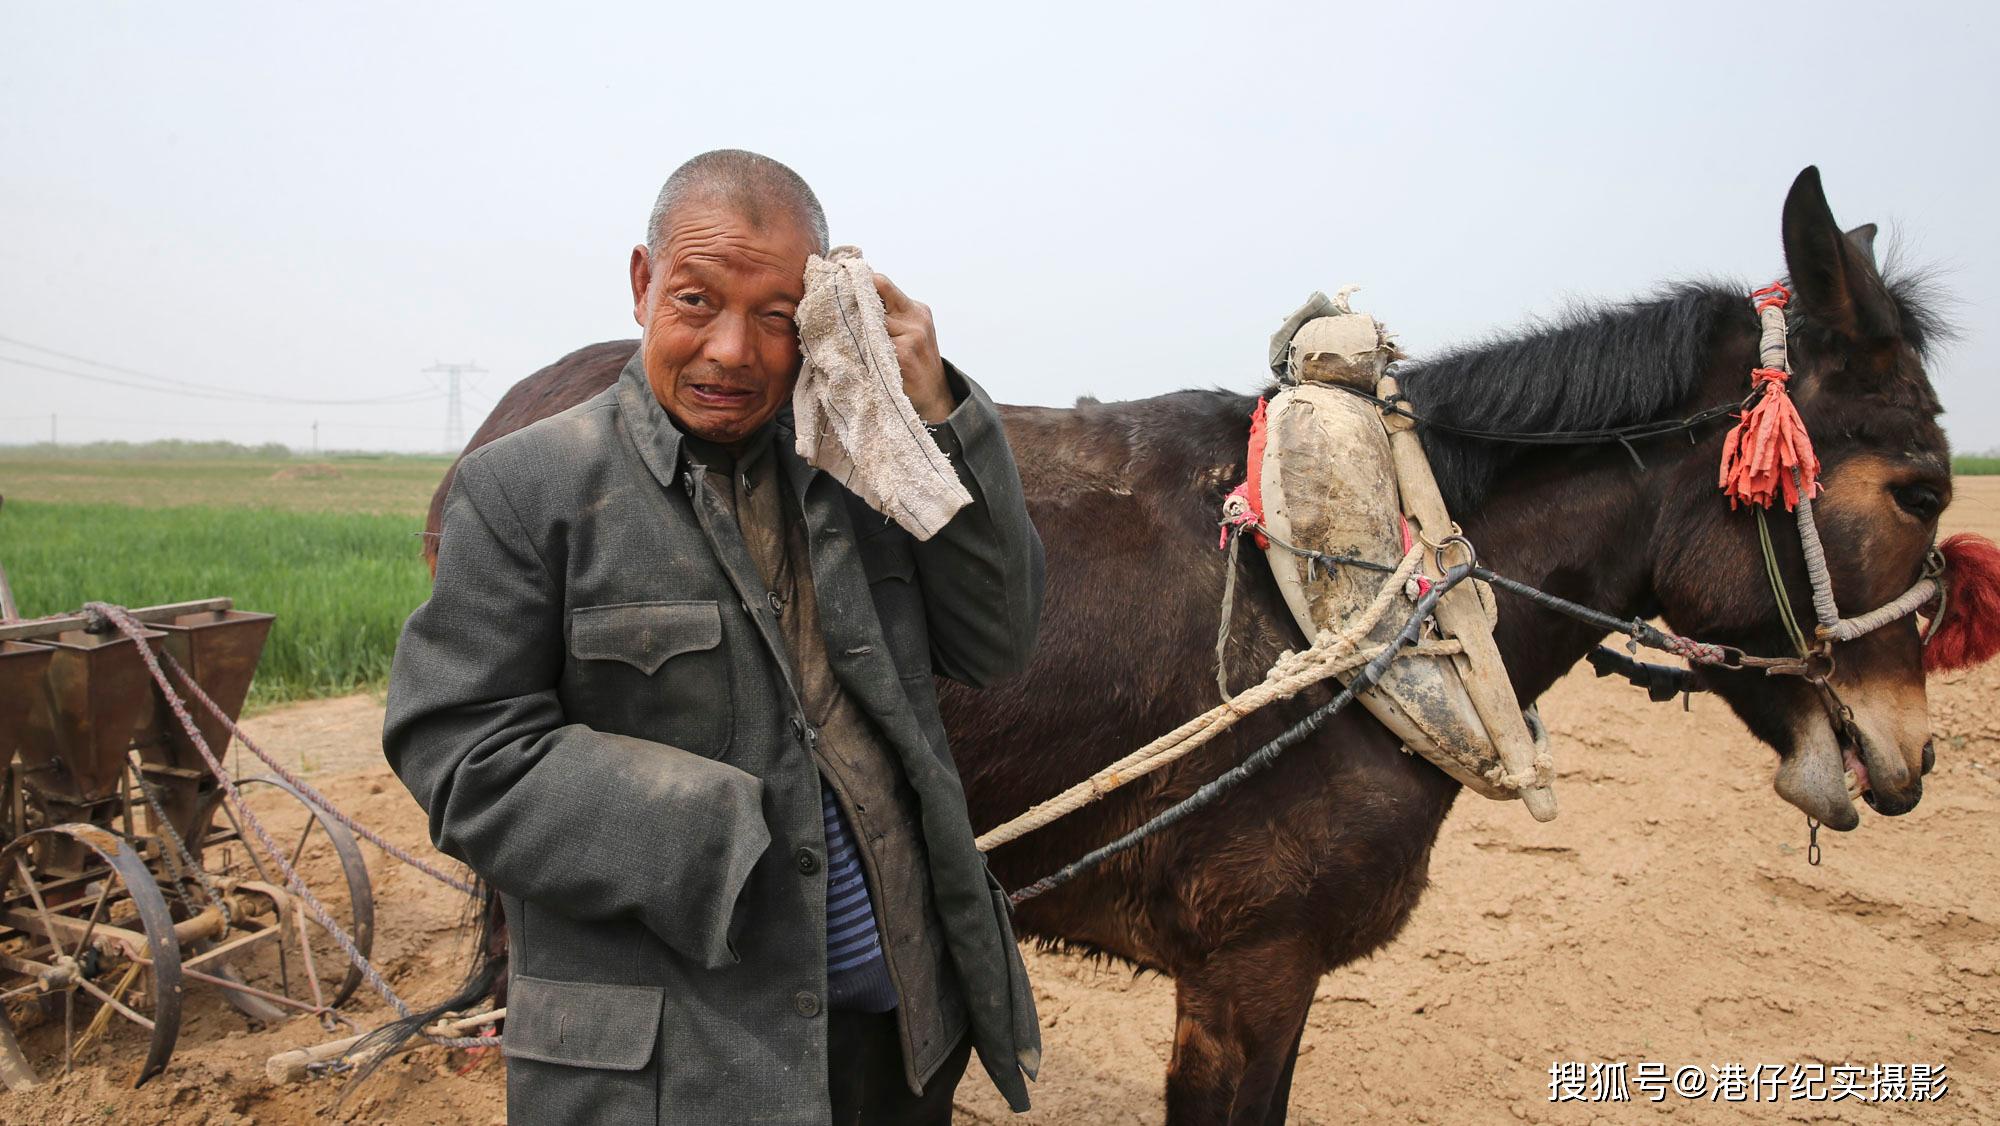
(321, 800)
(121, 619)
(1330, 655)
(1264, 756)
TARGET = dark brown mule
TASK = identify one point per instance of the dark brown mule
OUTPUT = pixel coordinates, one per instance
(1319, 860)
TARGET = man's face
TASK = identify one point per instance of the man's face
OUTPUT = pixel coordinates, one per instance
(716, 303)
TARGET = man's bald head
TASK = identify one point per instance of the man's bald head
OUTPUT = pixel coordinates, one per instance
(750, 184)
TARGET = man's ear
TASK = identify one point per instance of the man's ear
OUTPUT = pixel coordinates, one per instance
(642, 280)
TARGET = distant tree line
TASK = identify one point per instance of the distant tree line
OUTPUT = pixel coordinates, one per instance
(169, 448)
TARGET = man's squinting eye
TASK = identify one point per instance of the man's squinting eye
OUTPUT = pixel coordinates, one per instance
(693, 300)
(1920, 501)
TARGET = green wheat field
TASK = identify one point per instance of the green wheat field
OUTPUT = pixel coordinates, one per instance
(330, 546)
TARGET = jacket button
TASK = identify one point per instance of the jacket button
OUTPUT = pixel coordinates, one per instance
(806, 1003)
(777, 602)
(808, 861)
(798, 730)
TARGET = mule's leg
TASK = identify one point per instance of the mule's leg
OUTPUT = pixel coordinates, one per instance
(1281, 1092)
(1238, 1020)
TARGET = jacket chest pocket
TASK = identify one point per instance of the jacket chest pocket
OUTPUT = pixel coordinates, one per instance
(654, 670)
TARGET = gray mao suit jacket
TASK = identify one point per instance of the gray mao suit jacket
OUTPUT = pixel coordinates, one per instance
(594, 711)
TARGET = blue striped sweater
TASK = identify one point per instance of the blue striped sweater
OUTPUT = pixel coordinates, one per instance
(857, 976)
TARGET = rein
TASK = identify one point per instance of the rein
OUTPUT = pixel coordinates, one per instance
(1622, 435)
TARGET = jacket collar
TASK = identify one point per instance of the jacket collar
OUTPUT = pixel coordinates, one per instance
(655, 435)
(659, 440)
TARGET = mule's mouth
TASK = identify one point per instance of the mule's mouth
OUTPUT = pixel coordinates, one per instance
(1856, 774)
(1824, 773)
(1830, 768)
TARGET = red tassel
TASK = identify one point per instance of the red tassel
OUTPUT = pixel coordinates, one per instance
(1969, 633)
(1253, 474)
(1252, 488)
(1253, 469)
(1768, 443)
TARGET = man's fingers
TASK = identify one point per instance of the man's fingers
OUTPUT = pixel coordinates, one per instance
(893, 299)
(914, 336)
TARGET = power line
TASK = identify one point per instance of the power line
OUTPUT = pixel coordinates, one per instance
(111, 381)
(188, 388)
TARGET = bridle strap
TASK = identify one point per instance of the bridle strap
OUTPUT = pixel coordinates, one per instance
(1779, 594)
(1770, 304)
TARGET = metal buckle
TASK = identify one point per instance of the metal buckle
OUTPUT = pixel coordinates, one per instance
(1438, 550)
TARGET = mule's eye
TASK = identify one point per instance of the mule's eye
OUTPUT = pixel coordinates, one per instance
(1920, 501)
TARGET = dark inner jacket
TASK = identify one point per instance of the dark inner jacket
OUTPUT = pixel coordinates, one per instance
(868, 784)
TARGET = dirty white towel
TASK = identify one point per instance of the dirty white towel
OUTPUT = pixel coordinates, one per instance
(852, 417)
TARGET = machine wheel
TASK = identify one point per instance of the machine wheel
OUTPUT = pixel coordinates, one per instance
(100, 941)
(328, 858)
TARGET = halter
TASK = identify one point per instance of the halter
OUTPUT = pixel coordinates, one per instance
(1768, 454)
(1768, 451)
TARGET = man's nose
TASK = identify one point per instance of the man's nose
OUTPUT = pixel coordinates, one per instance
(728, 343)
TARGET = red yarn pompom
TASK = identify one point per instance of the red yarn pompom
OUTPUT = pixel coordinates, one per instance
(1969, 633)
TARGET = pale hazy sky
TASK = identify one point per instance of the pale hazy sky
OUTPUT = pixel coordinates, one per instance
(318, 202)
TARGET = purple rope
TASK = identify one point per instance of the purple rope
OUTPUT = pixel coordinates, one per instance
(313, 795)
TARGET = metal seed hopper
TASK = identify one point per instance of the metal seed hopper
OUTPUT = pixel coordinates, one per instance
(124, 876)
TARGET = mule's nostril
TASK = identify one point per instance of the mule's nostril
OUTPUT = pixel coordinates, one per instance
(1930, 756)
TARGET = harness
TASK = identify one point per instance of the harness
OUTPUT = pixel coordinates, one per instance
(1767, 455)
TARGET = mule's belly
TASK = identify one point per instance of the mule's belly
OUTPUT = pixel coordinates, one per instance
(1329, 850)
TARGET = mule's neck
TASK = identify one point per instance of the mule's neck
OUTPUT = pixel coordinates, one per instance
(1585, 524)
(1579, 532)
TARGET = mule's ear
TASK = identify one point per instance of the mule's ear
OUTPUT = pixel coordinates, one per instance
(1862, 238)
(1834, 279)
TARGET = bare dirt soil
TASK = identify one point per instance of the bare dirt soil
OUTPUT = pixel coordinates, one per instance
(1669, 915)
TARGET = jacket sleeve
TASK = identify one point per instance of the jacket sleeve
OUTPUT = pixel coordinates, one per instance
(581, 822)
(981, 573)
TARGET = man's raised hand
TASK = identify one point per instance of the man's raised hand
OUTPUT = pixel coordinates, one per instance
(915, 338)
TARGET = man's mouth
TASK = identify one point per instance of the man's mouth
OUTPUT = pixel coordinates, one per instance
(721, 395)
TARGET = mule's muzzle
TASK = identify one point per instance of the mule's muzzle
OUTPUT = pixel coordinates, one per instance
(1894, 803)
(1888, 785)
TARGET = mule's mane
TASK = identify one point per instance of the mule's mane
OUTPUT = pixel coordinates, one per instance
(1588, 368)
(1593, 367)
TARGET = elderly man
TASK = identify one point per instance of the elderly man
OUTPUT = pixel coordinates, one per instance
(671, 695)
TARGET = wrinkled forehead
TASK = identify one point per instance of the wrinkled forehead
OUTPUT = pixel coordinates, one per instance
(718, 243)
